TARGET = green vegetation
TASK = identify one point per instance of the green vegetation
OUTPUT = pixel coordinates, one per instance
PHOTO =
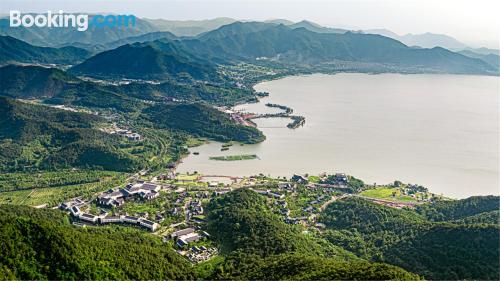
(492, 217)
(187, 177)
(387, 193)
(42, 245)
(14, 50)
(21, 181)
(161, 205)
(260, 246)
(362, 52)
(241, 220)
(48, 155)
(58, 87)
(302, 267)
(65, 187)
(150, 60)
(234, 157)
(55, 86)
(314, 179)
(355, 185)
(201, 121)
(407, 239)
(448, 210)
(36, 137)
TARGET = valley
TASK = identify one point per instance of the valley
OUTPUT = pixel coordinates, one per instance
(233, 153)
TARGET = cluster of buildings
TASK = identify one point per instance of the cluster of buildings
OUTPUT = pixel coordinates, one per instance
(297, 220)
(75, 202)
(269, 193)
(283, 208)
(116, 198)
(170, 175)
(200, 254)
(339, 179)
(301, 179)
(188, 235)
(242, 119)
(221, 191)
(286, 186)
(129, 134)
(195, 207)
(105, 219)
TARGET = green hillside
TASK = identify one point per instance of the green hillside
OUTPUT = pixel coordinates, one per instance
(256, 40)
(241, 221)
(459, 209)
(259, 246)
(42, 245)
(303, 267)
(14, 50)
(57, 87)
(187, 58)
(202, 121)
(38, 137)
(407, 239)
(156, 60)
(491, 58)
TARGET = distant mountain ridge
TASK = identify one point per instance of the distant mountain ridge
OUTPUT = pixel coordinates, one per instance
(491, 59)
(424, 40)
(189, 27)
(247, 41)
(279, 42)
(15, 50)
(52, 37)
(302, 43)
(152, 60)
(311, 26)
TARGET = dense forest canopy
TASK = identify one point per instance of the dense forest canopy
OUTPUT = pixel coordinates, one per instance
(39, 137)
(202, 121)
(408, 239)
(42, 245)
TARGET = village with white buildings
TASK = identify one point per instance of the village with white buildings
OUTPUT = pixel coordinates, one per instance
(172, 206)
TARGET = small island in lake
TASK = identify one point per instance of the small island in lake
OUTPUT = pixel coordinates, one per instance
(235, 157)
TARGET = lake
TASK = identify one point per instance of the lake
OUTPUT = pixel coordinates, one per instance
(441, 131)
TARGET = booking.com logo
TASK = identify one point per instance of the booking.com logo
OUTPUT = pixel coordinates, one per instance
(79, 21)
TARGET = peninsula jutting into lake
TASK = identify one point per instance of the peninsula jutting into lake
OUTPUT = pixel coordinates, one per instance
(379, 128)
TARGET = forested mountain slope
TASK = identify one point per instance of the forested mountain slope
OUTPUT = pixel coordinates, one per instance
(405, 238)
(14, 50)
(42, 245)
(38, 137)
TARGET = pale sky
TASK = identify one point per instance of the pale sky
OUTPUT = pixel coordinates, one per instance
(474, 22)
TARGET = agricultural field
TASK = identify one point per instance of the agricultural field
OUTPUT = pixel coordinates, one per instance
(45, 188)
(187, 177)
(390, 193)
(23, 181)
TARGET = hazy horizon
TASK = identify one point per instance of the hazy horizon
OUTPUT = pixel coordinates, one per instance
(475, 24)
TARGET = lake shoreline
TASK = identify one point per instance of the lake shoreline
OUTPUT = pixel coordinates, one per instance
(328, 158)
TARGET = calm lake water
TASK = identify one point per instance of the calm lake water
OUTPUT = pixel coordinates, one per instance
(441, 131)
